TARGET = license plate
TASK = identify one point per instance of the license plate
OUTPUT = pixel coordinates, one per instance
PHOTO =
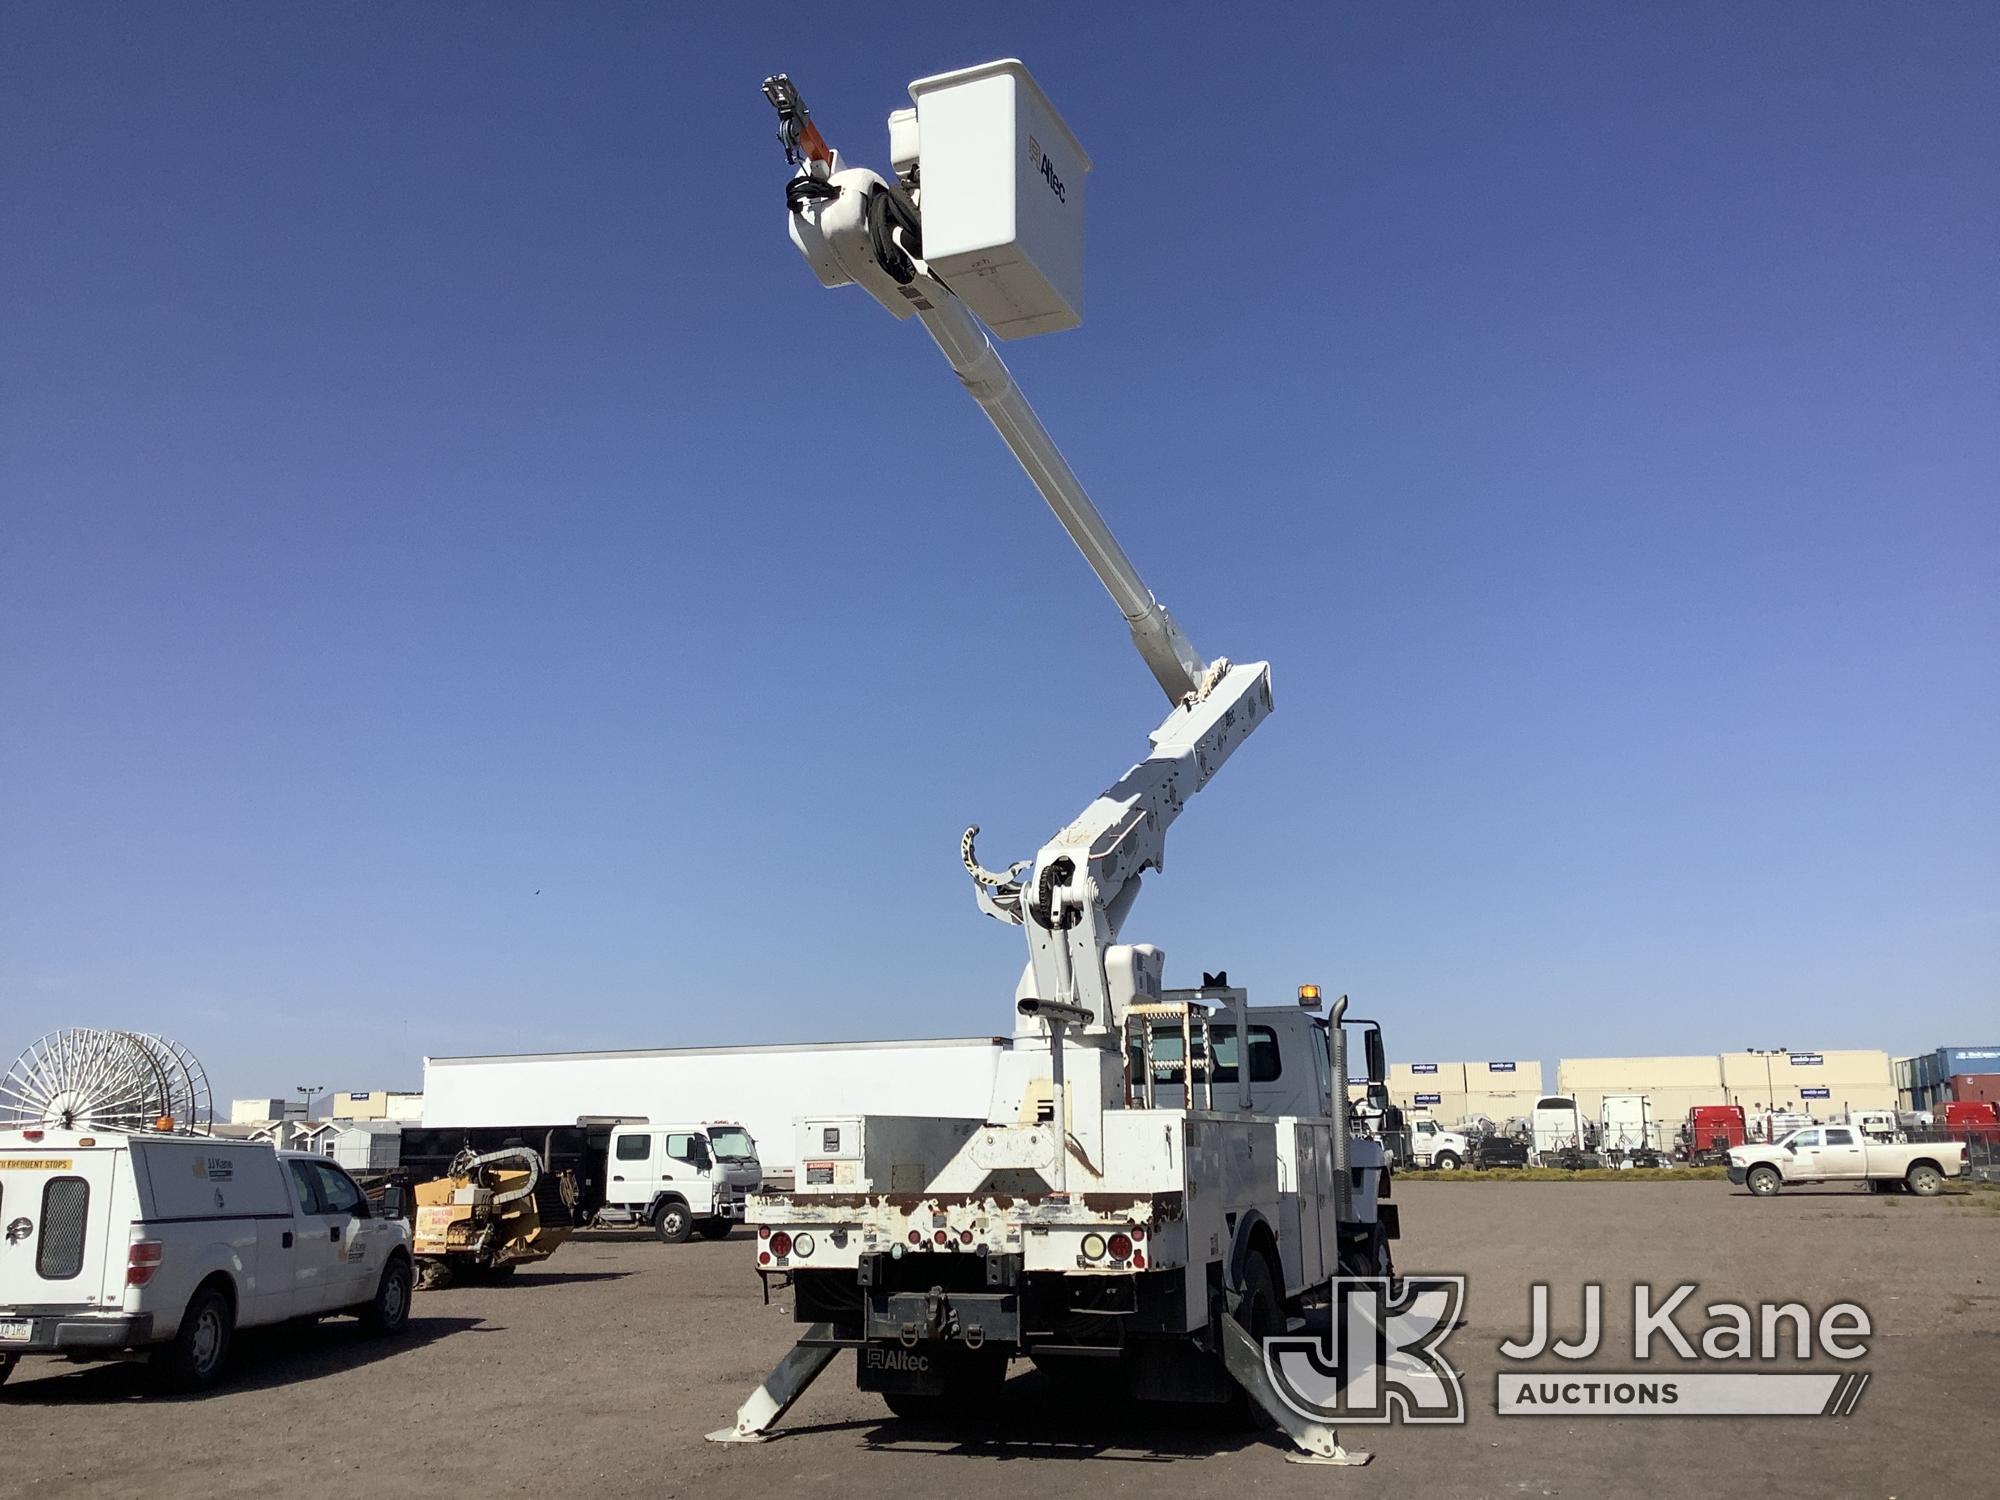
(18, 1332)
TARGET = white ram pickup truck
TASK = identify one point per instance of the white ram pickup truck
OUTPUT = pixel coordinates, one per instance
(115, 1245)
(1843, 1153)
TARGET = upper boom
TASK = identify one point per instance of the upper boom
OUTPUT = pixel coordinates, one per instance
(855, 227)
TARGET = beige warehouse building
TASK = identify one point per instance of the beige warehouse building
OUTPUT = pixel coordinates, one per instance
(1821, 1084)
(1497, 1088)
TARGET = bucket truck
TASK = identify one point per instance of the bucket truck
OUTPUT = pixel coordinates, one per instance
(1162, 1177)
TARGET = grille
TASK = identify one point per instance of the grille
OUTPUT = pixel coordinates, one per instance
(65, 1207)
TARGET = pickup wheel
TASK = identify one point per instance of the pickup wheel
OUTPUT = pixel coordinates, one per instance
(673, 1223)
(715, 1229)
(1924, 1180)
(193, 1361)
(1763, 1182)
(1446, 1161)
(390, 1311)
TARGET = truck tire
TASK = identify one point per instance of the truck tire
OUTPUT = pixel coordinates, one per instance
(7, 1363)
(672, 1222)
(194, 1359)
(966, 1404)
(1763, 1182)
(1446, 1161)
(1924, 1180)
(389, 1312)
(716, 1229)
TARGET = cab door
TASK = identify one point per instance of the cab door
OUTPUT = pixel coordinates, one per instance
(350, 1230)
(1840, 1155)
(1805, 1149)
(634, 1170)
(316, 1248)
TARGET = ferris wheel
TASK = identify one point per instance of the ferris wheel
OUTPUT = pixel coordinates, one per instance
(113, 1080)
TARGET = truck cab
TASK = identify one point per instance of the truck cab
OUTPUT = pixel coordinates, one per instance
(736, 1149)
(670, 1177)
(1434, 1147)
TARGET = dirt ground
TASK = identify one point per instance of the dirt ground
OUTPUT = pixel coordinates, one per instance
(599, 1373)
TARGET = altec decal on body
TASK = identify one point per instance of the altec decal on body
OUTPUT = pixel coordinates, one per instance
(1039, 160)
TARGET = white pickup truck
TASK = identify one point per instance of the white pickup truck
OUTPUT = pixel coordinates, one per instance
(1844, 1153)
(114, 1245)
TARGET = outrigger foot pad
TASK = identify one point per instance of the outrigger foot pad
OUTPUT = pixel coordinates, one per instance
(1317, 1442)
(785, 1384)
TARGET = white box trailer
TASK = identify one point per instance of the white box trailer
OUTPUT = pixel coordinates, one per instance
(767, 1089)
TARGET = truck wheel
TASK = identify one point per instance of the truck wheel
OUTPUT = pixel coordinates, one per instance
(193, 1361)
(7, 1363)
(390, 1311)
(1763, 1182)
(715, 1229)
(673, 1223)
(1924, 1180)
(1446, 1161)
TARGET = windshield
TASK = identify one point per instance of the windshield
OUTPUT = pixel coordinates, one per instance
(732, 1142)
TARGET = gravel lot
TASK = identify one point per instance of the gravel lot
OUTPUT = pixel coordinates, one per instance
(600, 1373)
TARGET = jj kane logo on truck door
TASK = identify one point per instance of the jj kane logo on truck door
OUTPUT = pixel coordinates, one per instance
(1039, 160)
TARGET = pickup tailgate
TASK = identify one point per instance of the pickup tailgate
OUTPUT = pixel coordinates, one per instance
(55, 1226)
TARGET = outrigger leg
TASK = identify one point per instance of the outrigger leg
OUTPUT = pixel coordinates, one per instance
(1318, 1443)
(798, 1369)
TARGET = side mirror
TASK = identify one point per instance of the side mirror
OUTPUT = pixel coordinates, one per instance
(1378, 1064)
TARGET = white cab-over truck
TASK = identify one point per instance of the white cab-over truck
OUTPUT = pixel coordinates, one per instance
(1159, 1178)
(114, 1245)
(1845, 1153)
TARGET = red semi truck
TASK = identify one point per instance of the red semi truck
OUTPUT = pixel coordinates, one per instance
(1709, 1132)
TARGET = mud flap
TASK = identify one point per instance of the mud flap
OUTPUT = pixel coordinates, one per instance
(1317, 1442)
(800, 1367)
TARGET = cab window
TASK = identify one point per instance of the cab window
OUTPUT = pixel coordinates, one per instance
(1265, 1064)
(1804, 1139)
(635, 1147)
(692, 1149)
(1837, 1137)
(342, 1196)
(306, 1182)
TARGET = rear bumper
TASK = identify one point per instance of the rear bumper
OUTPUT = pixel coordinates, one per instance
(79, 1332)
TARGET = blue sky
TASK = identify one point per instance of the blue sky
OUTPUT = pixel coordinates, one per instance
(465, 587)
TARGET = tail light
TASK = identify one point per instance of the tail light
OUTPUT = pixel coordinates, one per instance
(763, 1231)
(141, 1261)
(939, 1237)
(781, 1244)
(803, 1245)
(916, 1236)
(1121, 1246)
(31, 1135)
(965, 1236)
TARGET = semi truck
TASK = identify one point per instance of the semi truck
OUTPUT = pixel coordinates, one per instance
(1160, 1178)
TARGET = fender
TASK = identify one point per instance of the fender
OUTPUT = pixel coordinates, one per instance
(653, 1208)
(215, 1256)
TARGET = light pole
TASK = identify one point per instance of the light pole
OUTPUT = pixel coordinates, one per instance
(306, 1109)
(1770, 1088)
